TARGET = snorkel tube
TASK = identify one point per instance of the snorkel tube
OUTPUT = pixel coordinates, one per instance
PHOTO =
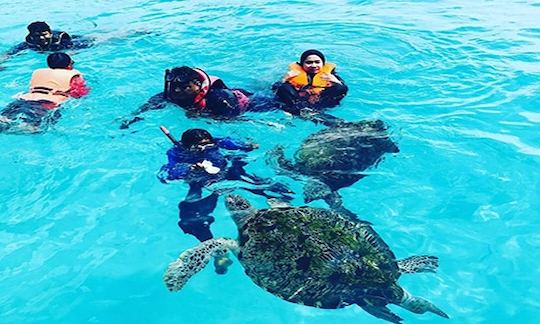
(167, 85)
(169, 135)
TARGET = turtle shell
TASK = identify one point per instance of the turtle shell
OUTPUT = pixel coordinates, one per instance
(316, 257)
(344, 148)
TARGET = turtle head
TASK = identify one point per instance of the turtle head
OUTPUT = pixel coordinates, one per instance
(239, 207)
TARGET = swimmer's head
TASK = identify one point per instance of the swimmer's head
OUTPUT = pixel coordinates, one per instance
(59, 61)
(197, 139)
(39, 33)
(312, 61)
(184, 83)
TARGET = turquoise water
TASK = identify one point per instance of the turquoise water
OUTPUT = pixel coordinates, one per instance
(86, 229)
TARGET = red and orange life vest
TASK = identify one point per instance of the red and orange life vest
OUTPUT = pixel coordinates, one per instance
(51, 85)
(206, 82)
(300, 81)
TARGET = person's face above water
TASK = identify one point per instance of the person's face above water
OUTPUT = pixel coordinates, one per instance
(191, 88)
(184, 92)
(312, 64)
(42, 37)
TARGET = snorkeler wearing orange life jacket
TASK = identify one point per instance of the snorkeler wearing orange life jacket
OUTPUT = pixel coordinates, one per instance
(312, 82)
(49, 88)
(198, 93)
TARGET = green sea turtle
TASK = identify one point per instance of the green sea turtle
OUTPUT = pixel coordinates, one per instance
(311, 256)
(335, 157)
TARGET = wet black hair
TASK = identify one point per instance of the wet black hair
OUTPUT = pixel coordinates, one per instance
(38, 26)
(307, 53)
(194, 136)
(184, 74)
(59, 60)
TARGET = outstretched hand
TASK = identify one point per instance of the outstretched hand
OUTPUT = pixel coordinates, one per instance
(330, 77)
(252, 146)
(290, 74)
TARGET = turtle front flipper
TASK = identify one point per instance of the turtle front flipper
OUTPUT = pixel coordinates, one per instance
(419, 305)
(418, 263)
(194, 260)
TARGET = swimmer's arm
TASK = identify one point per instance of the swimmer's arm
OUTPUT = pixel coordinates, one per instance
(13, 51)
(231, 144)
(79, 42)
(177, 167)
(170, 172)
(65, 38)
(338, 77)
(78, 87)
(17, 49)
(155, 102)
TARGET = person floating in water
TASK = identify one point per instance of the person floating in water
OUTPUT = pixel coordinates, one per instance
(42, 39)
(201, 95)
(198, 160)
(310, 83)
(49, 88)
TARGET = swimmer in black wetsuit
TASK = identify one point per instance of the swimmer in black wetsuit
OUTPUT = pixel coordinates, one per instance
(201, 95)
(42, 39)
(198, 160)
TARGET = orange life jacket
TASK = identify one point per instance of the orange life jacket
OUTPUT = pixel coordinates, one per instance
(300, 81)
(50, 84)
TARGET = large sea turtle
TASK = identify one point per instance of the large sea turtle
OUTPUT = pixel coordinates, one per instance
(311, 256)
(335, 157)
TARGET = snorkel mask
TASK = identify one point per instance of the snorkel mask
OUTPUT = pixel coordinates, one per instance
(202, 147)
(185, 86)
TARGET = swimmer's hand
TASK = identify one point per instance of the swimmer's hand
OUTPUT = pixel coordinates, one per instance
(207, 166)
(290, 74)
(126, 123)
(251, 146)
(197, 166)
(330, 78)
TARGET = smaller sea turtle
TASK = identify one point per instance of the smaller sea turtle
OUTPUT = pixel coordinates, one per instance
(335, 157)
(311, 256)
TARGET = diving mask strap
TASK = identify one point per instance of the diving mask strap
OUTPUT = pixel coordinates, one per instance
(167, 83)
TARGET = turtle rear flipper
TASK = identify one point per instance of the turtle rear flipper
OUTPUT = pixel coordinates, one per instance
(418, 263)
(382, 312)
(419, 305)
(194, 260)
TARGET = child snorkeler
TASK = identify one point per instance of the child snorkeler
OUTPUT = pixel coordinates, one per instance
(198, 160)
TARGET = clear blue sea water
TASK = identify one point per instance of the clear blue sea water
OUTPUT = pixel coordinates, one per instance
(86, 229)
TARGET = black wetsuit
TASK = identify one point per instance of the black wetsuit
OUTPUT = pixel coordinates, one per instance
(37, 114)
(195, 211)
